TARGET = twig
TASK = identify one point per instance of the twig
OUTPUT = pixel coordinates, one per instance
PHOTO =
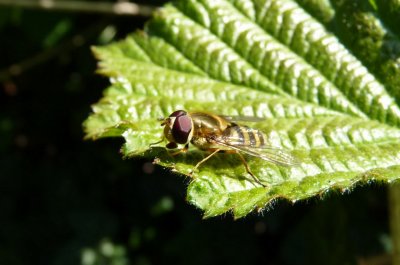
(119, 8)
(48, 54)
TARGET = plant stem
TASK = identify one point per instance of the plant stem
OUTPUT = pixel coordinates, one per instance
(394, 209)
(120, 8)
(77, 40)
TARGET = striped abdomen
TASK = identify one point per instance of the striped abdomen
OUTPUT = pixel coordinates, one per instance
(243, 136)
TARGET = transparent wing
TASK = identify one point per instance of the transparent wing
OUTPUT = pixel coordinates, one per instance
(271, 154)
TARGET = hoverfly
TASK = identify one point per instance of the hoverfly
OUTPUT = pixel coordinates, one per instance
(215, 133)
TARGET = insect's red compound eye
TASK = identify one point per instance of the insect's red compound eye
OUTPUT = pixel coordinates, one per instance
(181, 128)
(178, 113)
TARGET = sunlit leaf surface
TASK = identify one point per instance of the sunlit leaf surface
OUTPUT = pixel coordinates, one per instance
(273, 59)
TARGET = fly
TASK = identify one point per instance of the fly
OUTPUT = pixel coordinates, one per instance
(214, 133)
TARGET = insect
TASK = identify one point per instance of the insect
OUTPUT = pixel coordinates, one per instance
(215, 133)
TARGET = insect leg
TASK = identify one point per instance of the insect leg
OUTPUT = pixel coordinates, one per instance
(183, 150)
(162, 139)
(249, 171)
(204, 160)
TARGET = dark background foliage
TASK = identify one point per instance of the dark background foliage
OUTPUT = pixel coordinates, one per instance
(61, 195)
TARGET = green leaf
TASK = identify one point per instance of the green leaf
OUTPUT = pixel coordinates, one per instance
(335, 112)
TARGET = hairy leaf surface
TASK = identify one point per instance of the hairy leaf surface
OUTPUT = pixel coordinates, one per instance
(322, 98)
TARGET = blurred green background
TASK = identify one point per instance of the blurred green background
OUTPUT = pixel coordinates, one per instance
(64, 200)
